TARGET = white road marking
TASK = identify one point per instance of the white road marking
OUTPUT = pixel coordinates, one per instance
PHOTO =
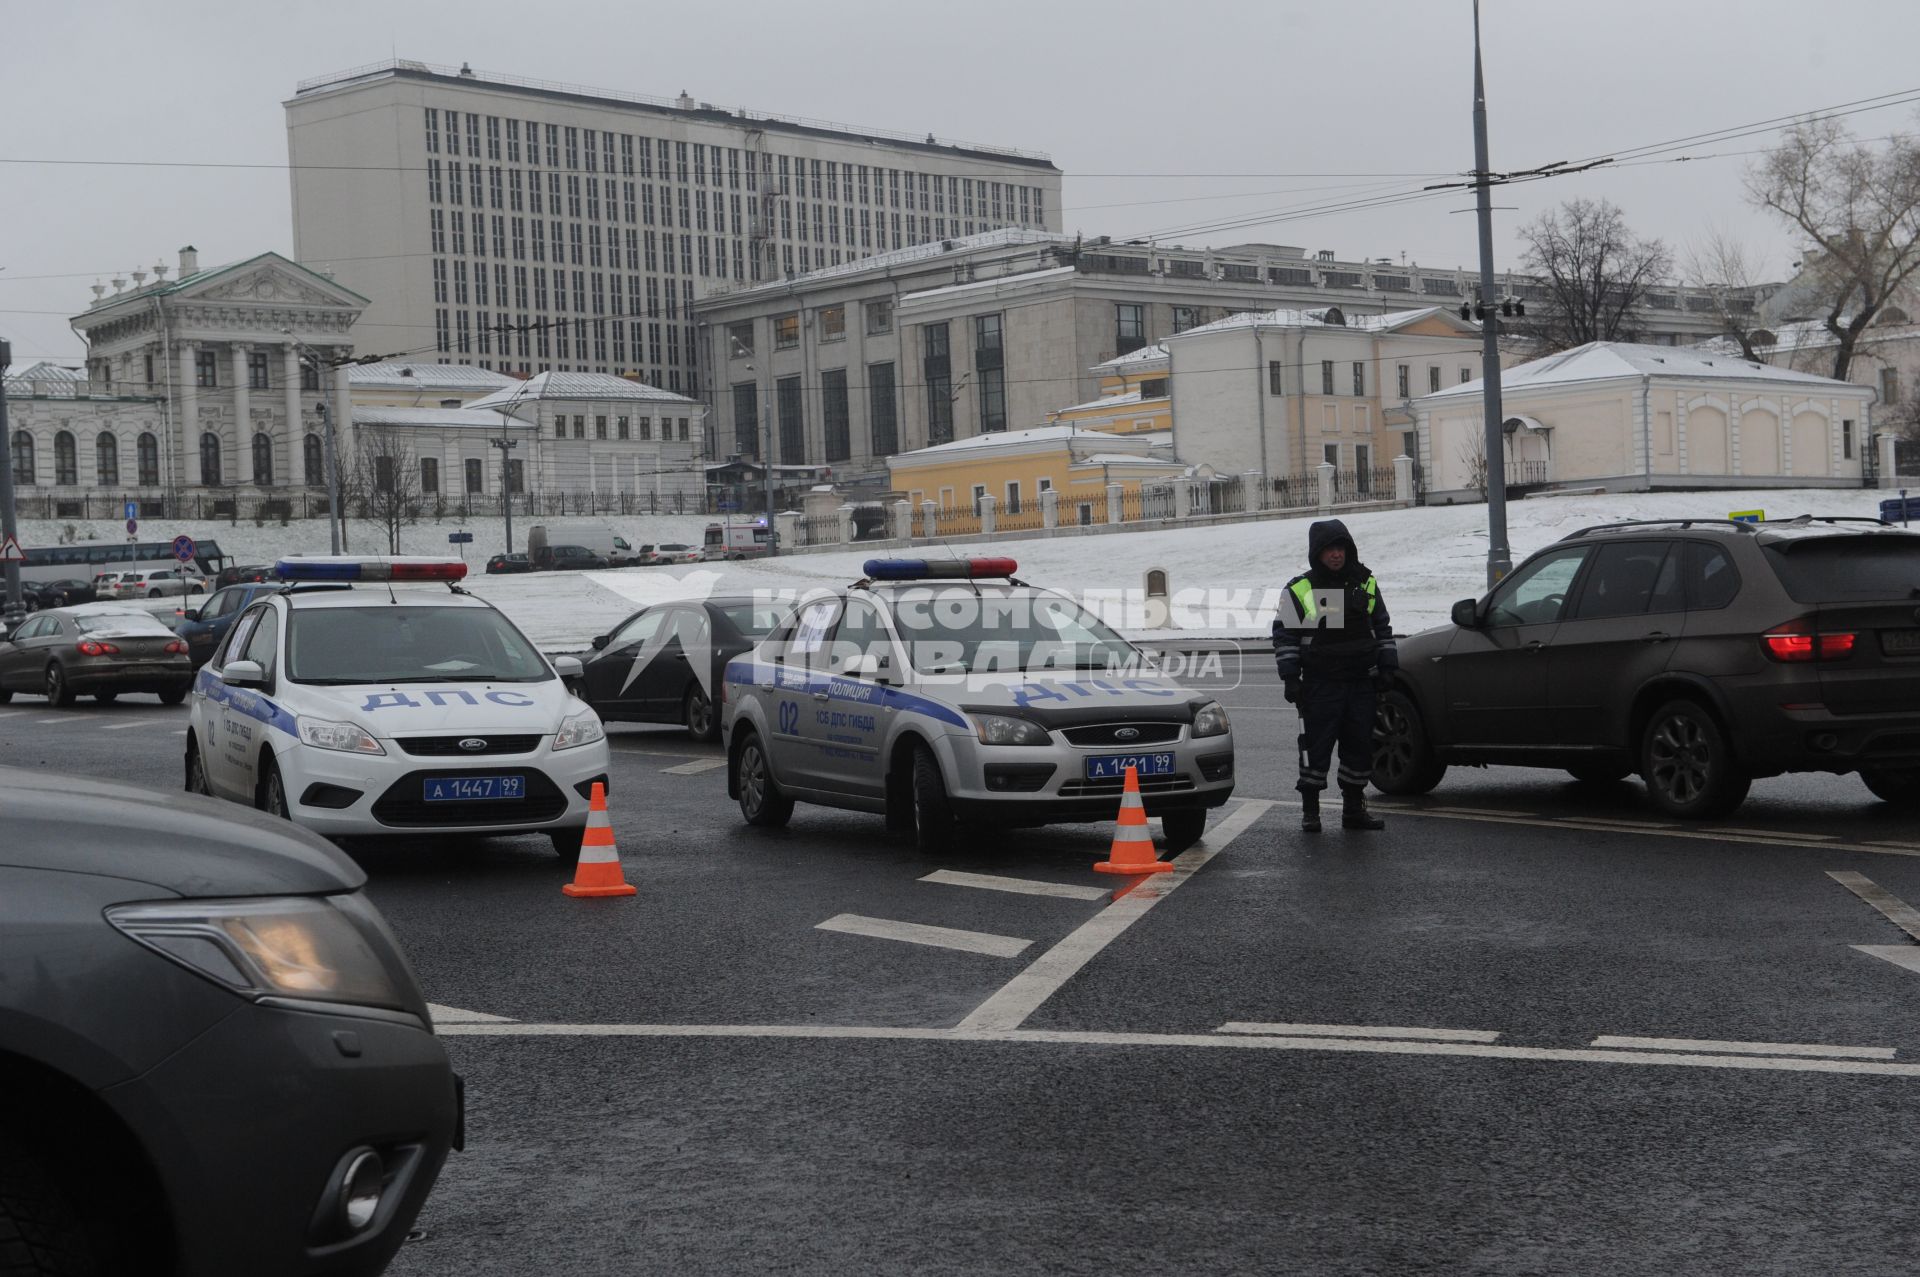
(121, 727)
(1900, 955)
(1745, 1048)
(11, 713)
(1774, 835)
(181, 732)
(454, 1015)
(64, 718)
(1018, 886)
(694, 768)
(920, 933)
(1021, 996)
(1616, 822)
(1652, 831)
(1358, 1031)
(1896, 910)
(1204, 1041)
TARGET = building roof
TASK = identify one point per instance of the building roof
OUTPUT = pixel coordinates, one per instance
(1808, 334)
(1123, 459)
(168, 287)
(997, 439)
(1006, 236)
(47, 379)
(402, 376)
(579, 385)
(1109, 401)
(462, 418)
(1144, 355)
(1287, 317)
(1613, 360)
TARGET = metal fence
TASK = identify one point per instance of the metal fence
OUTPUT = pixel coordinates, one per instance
(819, 529)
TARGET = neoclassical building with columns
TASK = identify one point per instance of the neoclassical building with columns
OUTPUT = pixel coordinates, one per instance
(229, 355)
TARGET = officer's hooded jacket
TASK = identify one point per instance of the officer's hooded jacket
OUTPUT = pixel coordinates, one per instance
(1347, 643)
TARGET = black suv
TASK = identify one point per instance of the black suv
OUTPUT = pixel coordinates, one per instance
(1700, 653)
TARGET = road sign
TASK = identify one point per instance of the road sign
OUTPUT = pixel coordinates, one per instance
(459, 538)
(1747, 516)
(184, 548)
(133, 525)
(10, 551)
(727, 507)
(133, 512)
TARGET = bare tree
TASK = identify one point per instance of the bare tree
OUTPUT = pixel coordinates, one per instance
(1472, 454)
(387, 481)
(1729, 273)
(1859, 207)
(1596, 270)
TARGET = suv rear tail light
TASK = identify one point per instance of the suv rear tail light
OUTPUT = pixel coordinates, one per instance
(94, 647)
(1797, 641)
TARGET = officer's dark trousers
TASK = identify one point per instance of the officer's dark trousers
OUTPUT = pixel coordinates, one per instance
(1336, 711)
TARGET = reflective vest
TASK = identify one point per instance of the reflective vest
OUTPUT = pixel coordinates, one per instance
(1303, 594)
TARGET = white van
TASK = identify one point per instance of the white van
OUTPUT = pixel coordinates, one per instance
(597, 537)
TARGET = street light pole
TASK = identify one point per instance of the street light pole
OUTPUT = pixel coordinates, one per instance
(9, 529)
(1499, 559)
(326, 438)
(506, 469)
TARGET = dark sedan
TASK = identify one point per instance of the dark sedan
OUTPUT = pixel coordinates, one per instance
(96, 649)
(242, 575)
(664, 663)
(203, 627)
(564, 557)
(500, 563)
(43, 594)
(215, 1058)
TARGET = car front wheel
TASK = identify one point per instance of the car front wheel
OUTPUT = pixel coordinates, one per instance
(1182, 829)
(1688, 766)
(1897, 785)
(934, 829)
(59, 694)
(1403, 761)
(761, 802)
(272, 798)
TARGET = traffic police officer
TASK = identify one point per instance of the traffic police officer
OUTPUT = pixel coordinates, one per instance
(1333, 643)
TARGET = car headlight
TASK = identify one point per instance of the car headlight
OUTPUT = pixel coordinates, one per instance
(315, 949)
(1211, 720)
(1003, 729)
(349, 738)
(580, 729)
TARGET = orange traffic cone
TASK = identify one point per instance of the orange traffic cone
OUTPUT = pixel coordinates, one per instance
(598, 873)
(1132, 851)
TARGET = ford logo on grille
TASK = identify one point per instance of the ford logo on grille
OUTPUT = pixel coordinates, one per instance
(472, 743)
(1127, 733)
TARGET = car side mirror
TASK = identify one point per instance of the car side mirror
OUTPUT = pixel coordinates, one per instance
(568, 667)
(243, 674)
(600, 642)
(1466, 614)
(192, 614)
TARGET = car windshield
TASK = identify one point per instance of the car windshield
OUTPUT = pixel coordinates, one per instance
(753, 620)
(1848, 568)
(675, 547)
(120, 622)
(387, 644)
(955, 631)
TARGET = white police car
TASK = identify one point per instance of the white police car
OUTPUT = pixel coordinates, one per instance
(946, 692)
(352, 707)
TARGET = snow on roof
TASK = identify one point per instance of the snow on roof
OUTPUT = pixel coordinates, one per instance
(48, 379)
(1021, 280)
(1123, 459)
(999, 439)
(1287, 317)
(1805, 334)
(465, 418)
(403, 376)
(578, 385)
(1128, 399)
(1144, 355)
(1011, 235)
(1611, 360)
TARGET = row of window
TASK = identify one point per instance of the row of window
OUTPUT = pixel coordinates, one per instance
(623, 427)
(1329, 377)
(836, 416)
(206, 372)
(106, 459)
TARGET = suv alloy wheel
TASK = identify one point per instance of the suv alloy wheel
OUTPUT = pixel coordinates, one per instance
(1688, 766)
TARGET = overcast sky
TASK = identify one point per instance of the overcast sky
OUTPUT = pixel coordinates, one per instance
(1163, 116)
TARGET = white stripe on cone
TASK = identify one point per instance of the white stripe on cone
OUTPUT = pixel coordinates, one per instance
(599, 855)
(1132, 833)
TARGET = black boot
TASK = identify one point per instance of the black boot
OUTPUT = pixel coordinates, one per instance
(1310, 812)
(1354, 813)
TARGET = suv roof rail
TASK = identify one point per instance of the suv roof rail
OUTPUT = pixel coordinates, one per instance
(1833, 518)
(1742, 525)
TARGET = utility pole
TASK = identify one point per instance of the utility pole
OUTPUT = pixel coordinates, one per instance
(1499, 559)
(766, 474)
(9, 527)
(506, 488)
(320, 370)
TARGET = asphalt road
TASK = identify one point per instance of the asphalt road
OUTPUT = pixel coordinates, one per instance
(1418, 1051)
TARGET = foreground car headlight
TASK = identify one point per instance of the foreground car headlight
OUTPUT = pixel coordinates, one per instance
(295, 947)
(349, 738)
(1003, 729)
(580, 729)
(1211, 720)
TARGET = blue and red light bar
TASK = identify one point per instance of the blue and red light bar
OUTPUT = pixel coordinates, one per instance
(938, 569)
(342, 567)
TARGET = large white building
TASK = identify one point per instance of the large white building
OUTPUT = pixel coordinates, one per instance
(531, 226)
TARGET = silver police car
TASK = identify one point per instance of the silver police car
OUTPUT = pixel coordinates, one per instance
(939, 693)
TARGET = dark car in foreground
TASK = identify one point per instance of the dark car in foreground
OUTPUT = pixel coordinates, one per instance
(203, 627)
(501, 563)
(1699, 653)
(94, 649)
(215, 1058)
(664, 663)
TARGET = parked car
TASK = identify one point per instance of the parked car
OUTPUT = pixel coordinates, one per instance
(203, 627)
(154, 583)
(675, 553)
(35, 595)
(544, 539)
(500, 563)
(1699, 653)
(664, 664)
(214, 1055)
(570, 557)
(95, 649)
(237, 575)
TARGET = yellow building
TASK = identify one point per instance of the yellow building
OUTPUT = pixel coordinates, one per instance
(1017, 468)
(1133, 396)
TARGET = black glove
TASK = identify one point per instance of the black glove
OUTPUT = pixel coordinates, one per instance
(1291, 690)
(1381, 680)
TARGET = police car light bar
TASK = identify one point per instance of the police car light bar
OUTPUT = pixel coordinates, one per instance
(331, 567)
(937, 569)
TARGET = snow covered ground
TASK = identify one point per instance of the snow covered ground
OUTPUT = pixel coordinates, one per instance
(1225, 580)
